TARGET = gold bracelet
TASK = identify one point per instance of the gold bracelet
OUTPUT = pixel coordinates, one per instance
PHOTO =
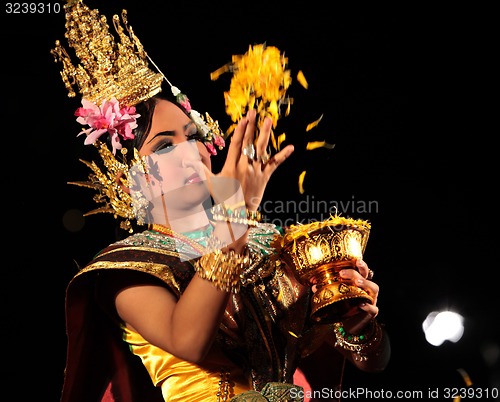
(357, 343)
(223, 269)
(240, 214)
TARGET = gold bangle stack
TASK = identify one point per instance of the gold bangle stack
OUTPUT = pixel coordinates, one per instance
(223, 269)
(238, 214)
(359, 344)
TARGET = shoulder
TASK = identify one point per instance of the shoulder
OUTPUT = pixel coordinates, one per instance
(148, 252)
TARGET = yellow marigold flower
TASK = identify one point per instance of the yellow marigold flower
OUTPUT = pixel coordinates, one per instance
(260, 81)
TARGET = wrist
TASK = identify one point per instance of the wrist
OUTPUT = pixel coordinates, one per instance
(239, 214)
(361, 344)
(253, 203)
(223, 269)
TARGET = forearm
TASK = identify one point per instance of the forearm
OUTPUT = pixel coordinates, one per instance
(200, 309)
(196, 318)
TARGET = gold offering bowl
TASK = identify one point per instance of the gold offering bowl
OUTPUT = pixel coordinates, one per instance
(316, 252)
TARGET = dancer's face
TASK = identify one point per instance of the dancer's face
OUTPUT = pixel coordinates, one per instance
(177, 164)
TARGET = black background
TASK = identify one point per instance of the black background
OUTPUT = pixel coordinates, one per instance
(406, 93)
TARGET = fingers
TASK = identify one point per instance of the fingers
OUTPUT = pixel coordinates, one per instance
(353, 277)
(360, 318)
(362, 268)
(371, 309)
(279, 158)
(244, 135)
(234, 150)
(248, 160)
(262, 144)
(248, 135)
(269, 164)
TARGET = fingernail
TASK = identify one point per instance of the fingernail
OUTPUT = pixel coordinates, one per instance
(360, 281)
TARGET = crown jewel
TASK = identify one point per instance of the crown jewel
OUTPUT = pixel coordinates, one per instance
(107, 68)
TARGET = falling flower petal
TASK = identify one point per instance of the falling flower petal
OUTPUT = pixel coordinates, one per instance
(273, 140)
(302, 79)
(301, 182)
(281, 138)
(313, 124)
(465, 376)
(318, 144)
(217, 73)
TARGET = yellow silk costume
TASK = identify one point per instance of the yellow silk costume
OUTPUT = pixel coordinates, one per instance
(184, 381)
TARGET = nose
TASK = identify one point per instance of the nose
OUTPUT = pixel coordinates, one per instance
(204, 155)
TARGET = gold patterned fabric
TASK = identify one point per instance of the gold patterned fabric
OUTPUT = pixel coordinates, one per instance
(272, 392)
(264, 332)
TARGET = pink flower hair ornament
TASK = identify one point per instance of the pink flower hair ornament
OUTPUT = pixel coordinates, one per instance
(120, 122)
(110, 118)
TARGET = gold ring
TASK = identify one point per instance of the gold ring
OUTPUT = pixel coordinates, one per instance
(370, 275)
(249, 152)
(265, 158)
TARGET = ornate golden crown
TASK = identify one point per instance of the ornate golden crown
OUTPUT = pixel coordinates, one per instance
(108, 69)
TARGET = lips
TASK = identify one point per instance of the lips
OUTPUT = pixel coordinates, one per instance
(194, 178)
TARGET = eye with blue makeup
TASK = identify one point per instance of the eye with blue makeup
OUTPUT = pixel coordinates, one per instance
(190, 130)
(166, 143)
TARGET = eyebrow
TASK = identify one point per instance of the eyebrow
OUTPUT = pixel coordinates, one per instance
(166, 133)
(170, 133)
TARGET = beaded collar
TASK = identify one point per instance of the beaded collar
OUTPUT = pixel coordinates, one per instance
(197, 239)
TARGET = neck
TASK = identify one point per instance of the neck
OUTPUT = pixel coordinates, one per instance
(181, 221)
(189, 223)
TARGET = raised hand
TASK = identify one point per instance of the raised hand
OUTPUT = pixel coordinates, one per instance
(248, 160)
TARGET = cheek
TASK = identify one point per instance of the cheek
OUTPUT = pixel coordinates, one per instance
(168, 171)
(173, 178)
(204, 154)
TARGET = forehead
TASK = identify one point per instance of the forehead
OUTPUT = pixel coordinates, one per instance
(167, 117)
